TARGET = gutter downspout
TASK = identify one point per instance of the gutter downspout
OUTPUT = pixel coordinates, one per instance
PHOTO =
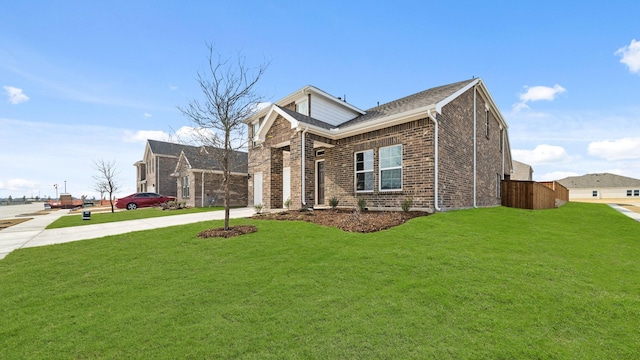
(435, 186)
(502, 131)
(304, 200)
(475, 146)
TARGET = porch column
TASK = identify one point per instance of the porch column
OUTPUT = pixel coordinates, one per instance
(276, 179)
(296, 160)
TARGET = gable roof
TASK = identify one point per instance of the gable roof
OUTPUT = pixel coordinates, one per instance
(206, 158)
(165, 148)
(599, 180)
(427, 97)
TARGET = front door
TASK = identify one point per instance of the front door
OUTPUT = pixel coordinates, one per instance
(320, 183)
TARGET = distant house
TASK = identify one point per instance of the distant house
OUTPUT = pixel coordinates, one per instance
(602, 187)
(521, 171)
(442, 148)
(199, 178)
(177, 170)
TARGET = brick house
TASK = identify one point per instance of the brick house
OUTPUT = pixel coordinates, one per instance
(199, 178)
(445, 148)
(171, 169)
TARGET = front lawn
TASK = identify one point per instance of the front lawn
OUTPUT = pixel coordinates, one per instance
(75, 219)
(496, 283)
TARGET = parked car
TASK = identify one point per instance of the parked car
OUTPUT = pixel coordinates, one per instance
(142, 199)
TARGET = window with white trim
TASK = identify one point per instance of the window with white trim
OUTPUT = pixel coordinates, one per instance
(185, 186)
(636, 192)
(364, 171)
(390, 165)
(486, 123)
(302, 107)
(594, 193)
(629, 192)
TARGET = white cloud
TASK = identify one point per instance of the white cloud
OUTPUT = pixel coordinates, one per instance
(630, 56)
(542, 154)
(16, 96)
(147, 115)
(173, 87)
(626, 148)
(537, 93)
(19, 185)
(141, 136)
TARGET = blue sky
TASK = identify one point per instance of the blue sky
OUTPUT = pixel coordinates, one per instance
(81, 81)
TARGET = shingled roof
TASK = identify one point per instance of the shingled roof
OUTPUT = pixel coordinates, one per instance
(601, 180)
(166, 148)
(206, 158)
(306, 119)
(424, 98)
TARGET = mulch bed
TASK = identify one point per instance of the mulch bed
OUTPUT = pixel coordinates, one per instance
(347, 220)
(233, 231)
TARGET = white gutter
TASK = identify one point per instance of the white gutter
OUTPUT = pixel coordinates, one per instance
(474, 149)
(304, 160)
(435, 187)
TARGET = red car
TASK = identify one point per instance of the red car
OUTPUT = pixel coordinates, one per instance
(143, 199)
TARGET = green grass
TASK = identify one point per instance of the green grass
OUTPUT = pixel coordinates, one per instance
(494, 283)
(107, 217)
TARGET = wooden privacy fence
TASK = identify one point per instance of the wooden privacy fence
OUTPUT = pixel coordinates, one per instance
(533, 195)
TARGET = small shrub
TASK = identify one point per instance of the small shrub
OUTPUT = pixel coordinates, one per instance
(362, 204)
(257, 208)
(333, 202)
(407, 204)
(287, 203)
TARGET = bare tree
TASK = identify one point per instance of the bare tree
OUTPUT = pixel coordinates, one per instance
(106, 178)
(101, 187)
(230, 98)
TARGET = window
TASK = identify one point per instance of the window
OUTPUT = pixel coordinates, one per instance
(595, 193)
(629, 192)
(390, 162)
(364, 170)
(185, 186)
(636, 192)
(256, 127)
(302, 107)
(320, 152)
(486, 123)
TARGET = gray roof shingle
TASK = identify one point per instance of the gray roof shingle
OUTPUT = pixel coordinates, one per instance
(424, 98)
(306, 119)
(601, 180)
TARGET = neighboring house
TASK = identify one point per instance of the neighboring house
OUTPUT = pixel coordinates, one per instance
(154, 170)
(170, 169)
(199, 178)
(444, 148)
(521, 171)
(602, 187)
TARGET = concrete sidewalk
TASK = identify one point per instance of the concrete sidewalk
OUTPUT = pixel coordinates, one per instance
(32, 233)
(632, 214)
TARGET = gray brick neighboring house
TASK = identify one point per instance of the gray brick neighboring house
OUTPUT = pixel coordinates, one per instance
(445, 148)
(177, 170)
